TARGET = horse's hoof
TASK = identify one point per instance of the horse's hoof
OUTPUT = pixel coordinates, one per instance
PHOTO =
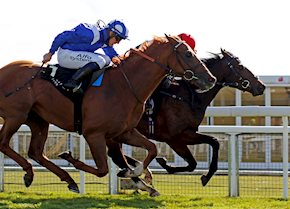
(27, 180)
(148, 180)
(124, 173)
(73, 188)
(64, 155)
(162, 161)
(154, 193)
(136, 192)
(204, 180)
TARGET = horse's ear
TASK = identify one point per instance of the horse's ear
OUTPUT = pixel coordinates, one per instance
(224, 52)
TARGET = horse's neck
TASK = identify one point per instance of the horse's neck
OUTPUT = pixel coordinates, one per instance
(207, 97)
(143, 76)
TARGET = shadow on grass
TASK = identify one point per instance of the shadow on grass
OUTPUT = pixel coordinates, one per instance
(81, 202)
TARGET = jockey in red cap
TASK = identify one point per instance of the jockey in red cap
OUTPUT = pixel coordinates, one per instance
(188, 39)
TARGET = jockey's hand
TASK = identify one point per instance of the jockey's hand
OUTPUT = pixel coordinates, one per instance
(116, 60)
(46, 57)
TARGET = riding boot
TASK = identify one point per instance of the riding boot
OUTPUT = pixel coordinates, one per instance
(81, 74)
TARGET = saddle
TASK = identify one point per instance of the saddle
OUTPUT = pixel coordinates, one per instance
(58, 75)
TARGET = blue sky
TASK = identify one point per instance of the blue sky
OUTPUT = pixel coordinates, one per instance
(255, 31)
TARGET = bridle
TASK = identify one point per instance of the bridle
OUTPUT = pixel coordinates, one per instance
(242, 82)
(188, 75)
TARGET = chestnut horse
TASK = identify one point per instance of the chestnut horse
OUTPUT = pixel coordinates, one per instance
(108, 111)
(179, 110)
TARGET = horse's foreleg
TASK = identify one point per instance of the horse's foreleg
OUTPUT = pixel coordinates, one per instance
(97, 145)
(213, 142)
(183, 151)
(135, 138)
(190, 137)
(39, 131)
(148, 174)
(9, 128)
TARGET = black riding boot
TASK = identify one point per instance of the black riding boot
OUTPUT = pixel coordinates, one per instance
(81, 74)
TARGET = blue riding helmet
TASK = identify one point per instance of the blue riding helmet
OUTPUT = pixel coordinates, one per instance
(119, 28)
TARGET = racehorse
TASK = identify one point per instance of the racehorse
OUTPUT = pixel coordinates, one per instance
(179, 110)
(108, 111)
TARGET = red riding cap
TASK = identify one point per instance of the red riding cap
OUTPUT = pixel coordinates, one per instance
(188, 39)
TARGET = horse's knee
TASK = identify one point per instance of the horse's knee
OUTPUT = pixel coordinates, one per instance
(102, 172)
(215, 144)
(191, 166)
(153, 150)
(36, 156)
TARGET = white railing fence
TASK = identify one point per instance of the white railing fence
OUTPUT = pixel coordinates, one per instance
(247, 111)
(233, 131)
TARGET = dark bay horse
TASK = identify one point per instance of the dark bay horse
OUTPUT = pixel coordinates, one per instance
(179, 110)
(108, 111)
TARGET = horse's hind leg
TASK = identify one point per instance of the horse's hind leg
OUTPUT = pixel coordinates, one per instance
(10, 127)
(39, 131)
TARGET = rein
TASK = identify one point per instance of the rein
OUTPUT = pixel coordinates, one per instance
(130, 86)
(169, 71)
(27, 82)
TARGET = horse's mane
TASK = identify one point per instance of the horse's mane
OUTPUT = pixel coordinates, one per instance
(212, 59)
(144, 46)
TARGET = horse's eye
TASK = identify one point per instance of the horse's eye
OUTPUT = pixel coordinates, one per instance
(188, 54)
(241, 67)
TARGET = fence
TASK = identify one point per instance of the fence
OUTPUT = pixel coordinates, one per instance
(234, 167)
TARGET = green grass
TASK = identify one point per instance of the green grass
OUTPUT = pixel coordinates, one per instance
(177, 191)
(46, 200)
(166, 184)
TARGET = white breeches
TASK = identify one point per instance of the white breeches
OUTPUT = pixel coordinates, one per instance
(77, 59)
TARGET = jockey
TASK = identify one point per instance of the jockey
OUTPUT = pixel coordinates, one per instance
(188, 39)
(76, 49)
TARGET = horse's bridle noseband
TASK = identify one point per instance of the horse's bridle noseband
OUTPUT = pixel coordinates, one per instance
(188, 75)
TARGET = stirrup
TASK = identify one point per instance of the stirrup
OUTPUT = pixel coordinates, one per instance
(71, 84)
(78, 89)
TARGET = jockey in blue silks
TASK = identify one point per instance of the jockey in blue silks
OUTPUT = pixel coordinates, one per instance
(76, 49)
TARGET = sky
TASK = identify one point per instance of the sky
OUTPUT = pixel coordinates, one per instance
(256, 31)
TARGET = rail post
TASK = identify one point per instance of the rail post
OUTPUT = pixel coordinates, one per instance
(1, 172)
(233, 166)
(82, 158)
(285, 156)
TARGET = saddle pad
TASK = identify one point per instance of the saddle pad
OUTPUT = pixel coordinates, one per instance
(98, 82)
